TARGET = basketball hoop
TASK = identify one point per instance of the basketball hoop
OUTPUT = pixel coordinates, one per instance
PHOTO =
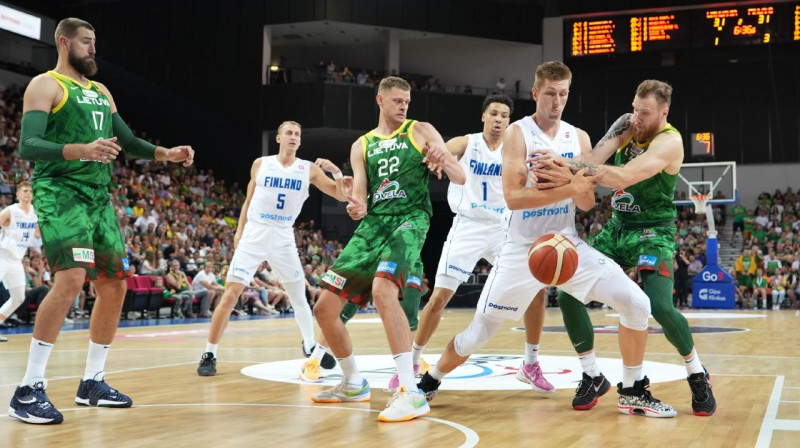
(700, 202)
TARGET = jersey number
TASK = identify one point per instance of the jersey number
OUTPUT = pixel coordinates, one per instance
(97, 118)
(281, 201)
(484, 190)
(388, 166)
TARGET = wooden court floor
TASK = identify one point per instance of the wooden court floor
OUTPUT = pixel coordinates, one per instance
(755, 378)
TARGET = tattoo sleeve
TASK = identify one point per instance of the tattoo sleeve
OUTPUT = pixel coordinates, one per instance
(577, 165)
(619, 127)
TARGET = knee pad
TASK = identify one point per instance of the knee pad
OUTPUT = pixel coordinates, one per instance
(478, 333)
(635, 312)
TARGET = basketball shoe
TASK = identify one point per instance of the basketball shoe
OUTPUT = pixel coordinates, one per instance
(419, 370)
(405, 405)
(588, 391)
(31, 405)
(429, 386)
(208, 365)
(328, 361)
(309, 372)
(343, 392)
(638, 400)
(99, 393)
(532, 374)
(703, 402)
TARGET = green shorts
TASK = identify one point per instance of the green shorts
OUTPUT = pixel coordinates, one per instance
(79, 228)
(646, 249)
(744, 280)
(382, 246)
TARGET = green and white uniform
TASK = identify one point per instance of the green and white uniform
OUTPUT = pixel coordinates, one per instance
(77, 221)
(388, 241)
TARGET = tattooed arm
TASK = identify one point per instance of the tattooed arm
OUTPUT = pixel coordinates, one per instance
(607, 146)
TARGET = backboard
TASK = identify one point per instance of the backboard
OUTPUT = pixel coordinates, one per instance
(708, 178)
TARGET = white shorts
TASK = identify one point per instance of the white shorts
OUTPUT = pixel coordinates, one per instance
(12, 273)
(469, 240)
(511, 287)
(263, 242)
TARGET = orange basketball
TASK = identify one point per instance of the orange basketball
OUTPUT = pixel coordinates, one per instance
(553, 259)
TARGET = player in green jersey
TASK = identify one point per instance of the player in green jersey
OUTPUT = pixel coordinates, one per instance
(390, 196)
(71, 129)
(648, 156)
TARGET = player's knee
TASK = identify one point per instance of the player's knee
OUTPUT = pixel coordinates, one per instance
(439, 299)
(479, 331)
(635, 312)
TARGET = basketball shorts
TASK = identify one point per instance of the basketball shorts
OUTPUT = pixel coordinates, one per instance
(264, 242)
(11, 272)
(511, 287)
(469, 240)
(382, 246)
(79, 228)
(647, 249)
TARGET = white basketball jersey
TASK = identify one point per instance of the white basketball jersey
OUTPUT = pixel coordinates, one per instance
(525, 226)
(482, 195)
(19, 233)
(279, 192)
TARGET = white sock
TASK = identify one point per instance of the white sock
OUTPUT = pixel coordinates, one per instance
(302, 312)
(37, 361)
(416, 353)
(630, 375)
(531, 353)
(96, 361)
(350, 370)
(211, 348)
(693, 364)
(308, 346)
(319, 352)
(405, 370)
(589, 365)
(435, 373)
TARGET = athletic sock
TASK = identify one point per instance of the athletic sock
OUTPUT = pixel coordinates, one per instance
(350, 370)
(416, 353)
(212, 348)
(531, 353)
(436, 374)
(37, 361)
(319, 352)
(631, 374)
(405, 370)
(96, 362)
(693, 364)
(589, 365)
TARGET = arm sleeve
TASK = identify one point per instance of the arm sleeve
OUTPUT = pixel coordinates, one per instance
(32, 146)
(132, 145)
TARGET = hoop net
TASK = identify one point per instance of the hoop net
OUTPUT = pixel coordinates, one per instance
(700, 201)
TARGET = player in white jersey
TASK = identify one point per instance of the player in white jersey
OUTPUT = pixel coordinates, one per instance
(19, 226)
(276, 193)
(533, 213)
(478, 232)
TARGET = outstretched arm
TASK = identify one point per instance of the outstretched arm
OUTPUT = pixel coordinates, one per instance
(437, 153)
(607, 146)
(326, 184)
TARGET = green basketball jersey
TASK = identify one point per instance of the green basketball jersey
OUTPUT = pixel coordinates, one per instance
(397, 178)
(82, 116)
(649, 201)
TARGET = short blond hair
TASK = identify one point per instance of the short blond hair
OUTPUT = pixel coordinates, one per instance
(287, 123)
(24, 184)
(551, 71)
(660, 90)
(390, 82)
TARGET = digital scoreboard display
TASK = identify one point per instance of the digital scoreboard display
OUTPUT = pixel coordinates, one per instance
(691, 28)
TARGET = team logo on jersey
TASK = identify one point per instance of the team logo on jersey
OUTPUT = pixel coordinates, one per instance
(405, 225)
(388, 145)
(647, 234)
(90, 93)
(633, 151)
(389, 189)
(83, 255)
(334, 279)
(622, 201)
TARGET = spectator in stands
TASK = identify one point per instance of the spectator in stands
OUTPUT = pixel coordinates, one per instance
(501, 86)
(36, 287)
(346, 75)
(683, 283)
(206, 280)
(177, 282)
(183, 299)
(362, 77)
(312, 285)
(760, 285)
(330, 71)
(778, 284)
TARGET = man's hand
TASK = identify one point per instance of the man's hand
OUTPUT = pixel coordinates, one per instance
(550, 173)
(356, 209)
(101, 150)
(435, 158)
(327, 165)
(177, 154)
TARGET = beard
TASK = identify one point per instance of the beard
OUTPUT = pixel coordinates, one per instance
(86, 66)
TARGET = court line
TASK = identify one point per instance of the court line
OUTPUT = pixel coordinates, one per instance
(470, 435)
(785, 401)
(768, 424)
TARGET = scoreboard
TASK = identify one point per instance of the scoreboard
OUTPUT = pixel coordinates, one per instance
(699, 27)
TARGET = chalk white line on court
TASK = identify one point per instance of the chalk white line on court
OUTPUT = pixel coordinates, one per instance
(470, 435)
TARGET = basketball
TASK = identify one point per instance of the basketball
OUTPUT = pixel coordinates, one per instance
(553, 259)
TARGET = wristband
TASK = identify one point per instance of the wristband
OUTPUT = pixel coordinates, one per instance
(337, 176)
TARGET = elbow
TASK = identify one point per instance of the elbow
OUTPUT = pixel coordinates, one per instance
(459, 179)
(513, 203)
